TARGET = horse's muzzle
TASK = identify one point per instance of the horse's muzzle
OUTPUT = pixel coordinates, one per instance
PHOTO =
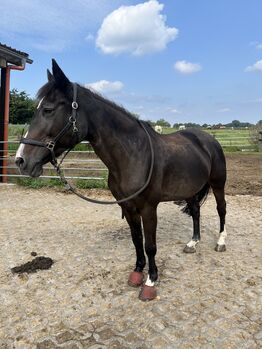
(32, 170)
(19, 162)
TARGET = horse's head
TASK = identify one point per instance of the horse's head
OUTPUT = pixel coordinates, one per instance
(51, 117)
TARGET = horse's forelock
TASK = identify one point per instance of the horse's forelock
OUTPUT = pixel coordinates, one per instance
(45, 90)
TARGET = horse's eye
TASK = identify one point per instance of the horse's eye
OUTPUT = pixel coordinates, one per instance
(48, 110)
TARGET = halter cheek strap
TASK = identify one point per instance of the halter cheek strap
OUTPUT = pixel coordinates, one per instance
(50, 144)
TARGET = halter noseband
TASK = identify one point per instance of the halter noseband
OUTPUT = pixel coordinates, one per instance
(50, 145)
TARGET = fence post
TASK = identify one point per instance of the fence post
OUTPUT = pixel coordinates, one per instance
(260, 141)
(3, 124)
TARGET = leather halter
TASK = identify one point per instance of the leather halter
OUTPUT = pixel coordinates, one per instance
(50, 145)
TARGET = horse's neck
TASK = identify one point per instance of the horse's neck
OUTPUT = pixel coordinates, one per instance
(114, 137)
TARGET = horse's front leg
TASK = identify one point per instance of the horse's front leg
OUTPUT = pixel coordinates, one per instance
(149, 216)
(134, 221)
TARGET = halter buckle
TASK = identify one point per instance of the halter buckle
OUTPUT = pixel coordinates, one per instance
(50, 145)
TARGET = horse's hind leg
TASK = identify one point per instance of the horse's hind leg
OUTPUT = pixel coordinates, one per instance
(149, 217)
(134, 222)
(221, 209)
(194, 210)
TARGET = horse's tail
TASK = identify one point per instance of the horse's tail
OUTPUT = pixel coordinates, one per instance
(201, 197)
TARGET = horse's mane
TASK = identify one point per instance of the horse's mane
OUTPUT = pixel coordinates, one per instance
(109, 103)
(47, 88)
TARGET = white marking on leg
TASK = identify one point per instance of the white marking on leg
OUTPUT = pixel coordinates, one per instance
(20, 150)
(222, 237)
(192, 243)
(149, 282)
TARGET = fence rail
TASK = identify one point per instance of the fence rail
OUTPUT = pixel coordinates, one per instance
(83, 164)
(73, 165)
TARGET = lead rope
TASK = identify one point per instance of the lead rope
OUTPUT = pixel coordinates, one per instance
(68, 186)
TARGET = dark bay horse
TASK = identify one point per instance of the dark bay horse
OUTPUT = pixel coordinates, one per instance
(186, 163)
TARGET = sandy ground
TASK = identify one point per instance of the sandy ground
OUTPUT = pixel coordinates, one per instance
(205, 300)
(244, 174)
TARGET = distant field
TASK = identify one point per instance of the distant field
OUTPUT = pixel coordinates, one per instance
(231, 140)
(217, 133)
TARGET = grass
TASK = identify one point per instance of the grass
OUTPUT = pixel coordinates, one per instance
(92, 184)
(38, 183)
(83, 147)
(235, 140)
(231, 140)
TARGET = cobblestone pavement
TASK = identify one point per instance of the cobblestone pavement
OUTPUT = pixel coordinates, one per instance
(205, 300)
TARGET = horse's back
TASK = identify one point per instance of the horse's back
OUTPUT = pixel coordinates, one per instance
(195, 140)
(190, 135)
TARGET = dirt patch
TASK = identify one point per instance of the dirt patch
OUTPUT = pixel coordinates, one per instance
(244, 174)
(205, 300)
(38, 263)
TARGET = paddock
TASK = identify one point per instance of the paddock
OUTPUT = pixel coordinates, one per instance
(205, 300)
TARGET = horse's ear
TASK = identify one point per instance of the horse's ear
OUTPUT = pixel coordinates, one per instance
(49, 75)
(60, 79)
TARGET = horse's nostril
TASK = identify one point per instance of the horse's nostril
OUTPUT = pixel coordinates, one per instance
(19, 162)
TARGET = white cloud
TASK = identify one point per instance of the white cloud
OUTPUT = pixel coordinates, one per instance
(185, 67)
(255, 67)
(105, 86)
(223, 110)
(138, 29)
(173, 110)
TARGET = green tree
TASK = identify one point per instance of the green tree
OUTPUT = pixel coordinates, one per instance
(235, 123)
(21, 107)
(163, 123)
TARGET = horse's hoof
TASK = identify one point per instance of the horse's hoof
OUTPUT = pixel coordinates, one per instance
(135, 279)
(220, 248)
(188, 249)
(148, 293)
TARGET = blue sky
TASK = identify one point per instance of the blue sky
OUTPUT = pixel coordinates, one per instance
(181, 60)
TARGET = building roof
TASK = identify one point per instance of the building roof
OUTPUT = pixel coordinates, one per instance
(13, 56)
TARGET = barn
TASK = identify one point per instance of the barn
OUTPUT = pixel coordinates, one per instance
(10, 59)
